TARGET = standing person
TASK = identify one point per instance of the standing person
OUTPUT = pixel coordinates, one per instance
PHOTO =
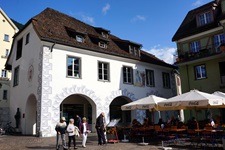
(61, 132)
(100, 129)
(84, 129)
(71, 130)
(78, 121)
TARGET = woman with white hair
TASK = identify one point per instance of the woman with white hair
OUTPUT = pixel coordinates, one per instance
(84, 129)
(71, 133)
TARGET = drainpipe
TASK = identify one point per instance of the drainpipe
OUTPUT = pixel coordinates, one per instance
(52, 46)
(188, 78)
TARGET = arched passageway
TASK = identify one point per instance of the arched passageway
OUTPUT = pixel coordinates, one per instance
(116, 112)
(78, 104)
(31, 115)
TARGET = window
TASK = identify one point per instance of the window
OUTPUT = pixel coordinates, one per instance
(79, 38)
(131, 50)
(19, 49)
(6, 52)
(103, 71)
(16, 76)
(136, 53)
(218, 39)
(73, 67)
(6, 37)
(222, 71)
(204, 18)
(127, 75)
(200, 72)
(4, 73)
(5, 95)
(166, 80)
(102, 44)
(150, 81)
(195, 46)
(105, 35)
(27, 38)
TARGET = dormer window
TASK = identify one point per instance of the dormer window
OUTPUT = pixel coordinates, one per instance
(105, 35)
(205, 18)
(134, 50)
(79, 38)
(102, 44)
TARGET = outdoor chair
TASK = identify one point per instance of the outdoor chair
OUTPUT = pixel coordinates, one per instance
(193, 137)
(208, 138)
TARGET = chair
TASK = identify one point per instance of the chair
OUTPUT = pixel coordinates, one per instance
(193, 137)
(208, 138)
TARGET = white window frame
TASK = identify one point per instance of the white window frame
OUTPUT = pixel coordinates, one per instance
(76, 73)
(205, 18)
(195, 46)
(79, 38)
(127, 75)
(202, 72)
(103, 73)
(4, 73)
(6, 52)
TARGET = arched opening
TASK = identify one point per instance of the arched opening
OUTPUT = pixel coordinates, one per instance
(78, 104)
(31, 115)
(117, 113)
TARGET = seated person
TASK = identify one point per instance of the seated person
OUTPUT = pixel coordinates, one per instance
(136, 123)
(161, 123)
(145, 123)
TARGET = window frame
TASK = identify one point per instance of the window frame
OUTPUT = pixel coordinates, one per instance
(77, 76)
(201, 73)
(102, 44)
(19, 49)
(4, 73)
(218, 40)
(205, 18)
(127, 75)
(27, 38)
(150, 78)
(5, 95)
(80, 38)
(6, 52)
(16, 76)
(6, 38)
(102, 71)
(195, 46)
(166, 80)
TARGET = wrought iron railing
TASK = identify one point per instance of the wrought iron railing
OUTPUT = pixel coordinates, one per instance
(202, 53)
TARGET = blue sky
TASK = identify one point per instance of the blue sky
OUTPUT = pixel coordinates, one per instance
(150, 23)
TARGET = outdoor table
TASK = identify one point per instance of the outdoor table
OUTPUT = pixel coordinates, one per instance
(177, 132)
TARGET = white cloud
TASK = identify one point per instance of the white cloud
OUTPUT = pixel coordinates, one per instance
(166, 54)
(105, 9)
(139, 17)
(198, 3)
(88, 19)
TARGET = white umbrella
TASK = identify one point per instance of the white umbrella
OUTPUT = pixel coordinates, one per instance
(149, 103)
(192, 99)
(218, 93)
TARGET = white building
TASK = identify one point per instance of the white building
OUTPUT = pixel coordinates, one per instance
(62, 66)
(7, 30)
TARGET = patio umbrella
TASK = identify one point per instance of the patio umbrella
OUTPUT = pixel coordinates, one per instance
(192, 100)
(218, 93)
(149, 102)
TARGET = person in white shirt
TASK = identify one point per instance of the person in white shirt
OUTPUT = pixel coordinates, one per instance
(84, 129)
(71, 133)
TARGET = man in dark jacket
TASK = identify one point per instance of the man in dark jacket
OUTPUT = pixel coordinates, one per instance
(100, 129)
(60, 129)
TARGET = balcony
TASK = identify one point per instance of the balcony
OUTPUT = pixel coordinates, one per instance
(202, 53)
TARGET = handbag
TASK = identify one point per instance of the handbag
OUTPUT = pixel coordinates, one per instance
(76, 131)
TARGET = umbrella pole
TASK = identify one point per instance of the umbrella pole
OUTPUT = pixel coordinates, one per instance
(196, 113)
(153, 118)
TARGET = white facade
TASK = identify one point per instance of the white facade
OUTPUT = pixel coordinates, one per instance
(43, 83)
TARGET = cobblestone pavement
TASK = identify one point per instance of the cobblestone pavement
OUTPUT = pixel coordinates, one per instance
(48, 143)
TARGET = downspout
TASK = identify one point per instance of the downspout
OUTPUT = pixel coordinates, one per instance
(52, 47)
(188, 78)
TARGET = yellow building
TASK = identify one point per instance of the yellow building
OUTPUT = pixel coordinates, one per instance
(7, 31)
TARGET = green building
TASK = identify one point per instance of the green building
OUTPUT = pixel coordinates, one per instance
(201, 52)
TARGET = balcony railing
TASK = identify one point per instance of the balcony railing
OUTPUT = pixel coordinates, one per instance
(202, 53)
